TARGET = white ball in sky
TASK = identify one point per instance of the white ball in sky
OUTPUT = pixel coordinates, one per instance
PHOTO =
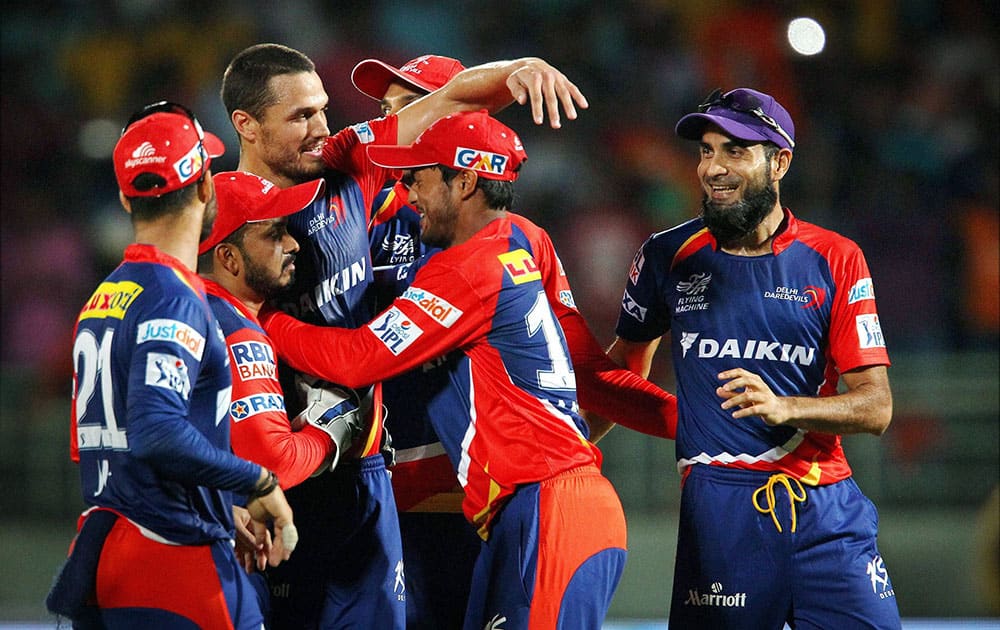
(806, 36)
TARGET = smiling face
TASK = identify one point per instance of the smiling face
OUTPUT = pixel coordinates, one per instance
(739, 186)
(437, 204)
(292, 130)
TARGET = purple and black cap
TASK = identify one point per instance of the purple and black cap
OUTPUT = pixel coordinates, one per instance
(743, 114)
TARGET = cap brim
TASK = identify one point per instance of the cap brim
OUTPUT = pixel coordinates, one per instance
(290, 200)
(693, 126)
(399, 157)
(372, 78)
(213, 145)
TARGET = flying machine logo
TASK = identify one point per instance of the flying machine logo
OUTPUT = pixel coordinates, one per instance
(693, 290)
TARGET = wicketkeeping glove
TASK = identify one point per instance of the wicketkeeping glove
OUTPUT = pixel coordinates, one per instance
(338, 411)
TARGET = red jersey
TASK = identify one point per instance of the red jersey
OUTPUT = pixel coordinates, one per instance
(485, 298)
(260, 428)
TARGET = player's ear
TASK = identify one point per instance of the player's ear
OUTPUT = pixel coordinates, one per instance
(125, 202)
(227, 256)
(246, 125)
(467, 180)
(780, 163)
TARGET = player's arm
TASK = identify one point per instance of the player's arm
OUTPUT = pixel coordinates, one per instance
(636, 356)
(612, 394)
(866, 406)
(494, 86)
(402, 337)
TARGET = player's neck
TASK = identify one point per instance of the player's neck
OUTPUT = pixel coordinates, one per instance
(470, 224)
(759, 242)
(175, 236)
(252, 163)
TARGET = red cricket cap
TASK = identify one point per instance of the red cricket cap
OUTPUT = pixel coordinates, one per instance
(425, 73)
(168, 144)
(246, 198)
(464, 140)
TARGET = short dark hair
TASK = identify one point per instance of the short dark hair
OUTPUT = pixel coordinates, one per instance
(151, 208)
(246, 82)
(499, 195)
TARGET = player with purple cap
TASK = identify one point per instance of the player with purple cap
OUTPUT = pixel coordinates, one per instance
(777, 348)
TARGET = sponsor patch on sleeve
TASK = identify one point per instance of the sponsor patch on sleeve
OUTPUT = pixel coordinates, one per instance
(172, 331)
(250, 406)
(869, 331)
(253, 360)
(364, 133)
(169, 372)
(636, 268)
(862, 290)
(520, 266)
(439, 309)
(395, 330)
(633, 308)
(566, 297)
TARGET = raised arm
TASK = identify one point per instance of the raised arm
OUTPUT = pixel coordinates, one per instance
(494, 86)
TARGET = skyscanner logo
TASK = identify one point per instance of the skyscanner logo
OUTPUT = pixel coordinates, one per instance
(482, 161)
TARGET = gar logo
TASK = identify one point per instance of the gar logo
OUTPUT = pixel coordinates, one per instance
(439, 309)
(395, 330)
(482, 161)
(880, 578)
(190, 165)
(869, 331)
(169, 372)
(630, 306)
(863, 289)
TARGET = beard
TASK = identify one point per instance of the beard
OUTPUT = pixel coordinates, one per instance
(264, 283)
(730, 223)
(287, 162)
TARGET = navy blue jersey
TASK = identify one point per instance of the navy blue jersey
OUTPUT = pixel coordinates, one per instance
(798, 317)
(151, 393)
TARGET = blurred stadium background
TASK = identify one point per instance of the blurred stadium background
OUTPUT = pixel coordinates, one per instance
(897, 123)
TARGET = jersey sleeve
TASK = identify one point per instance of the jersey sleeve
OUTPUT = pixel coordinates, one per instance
(440, 312)
(642, 316)
(344, 152)
(161, 375)
(855, 332)
(603, 387)
(261, 431)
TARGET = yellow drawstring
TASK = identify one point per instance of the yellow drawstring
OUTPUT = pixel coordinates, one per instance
(793, 497)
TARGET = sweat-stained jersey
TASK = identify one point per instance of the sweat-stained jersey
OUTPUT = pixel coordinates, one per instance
(798, 317)
(484, 297)
(260, 428)
(151, 392)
